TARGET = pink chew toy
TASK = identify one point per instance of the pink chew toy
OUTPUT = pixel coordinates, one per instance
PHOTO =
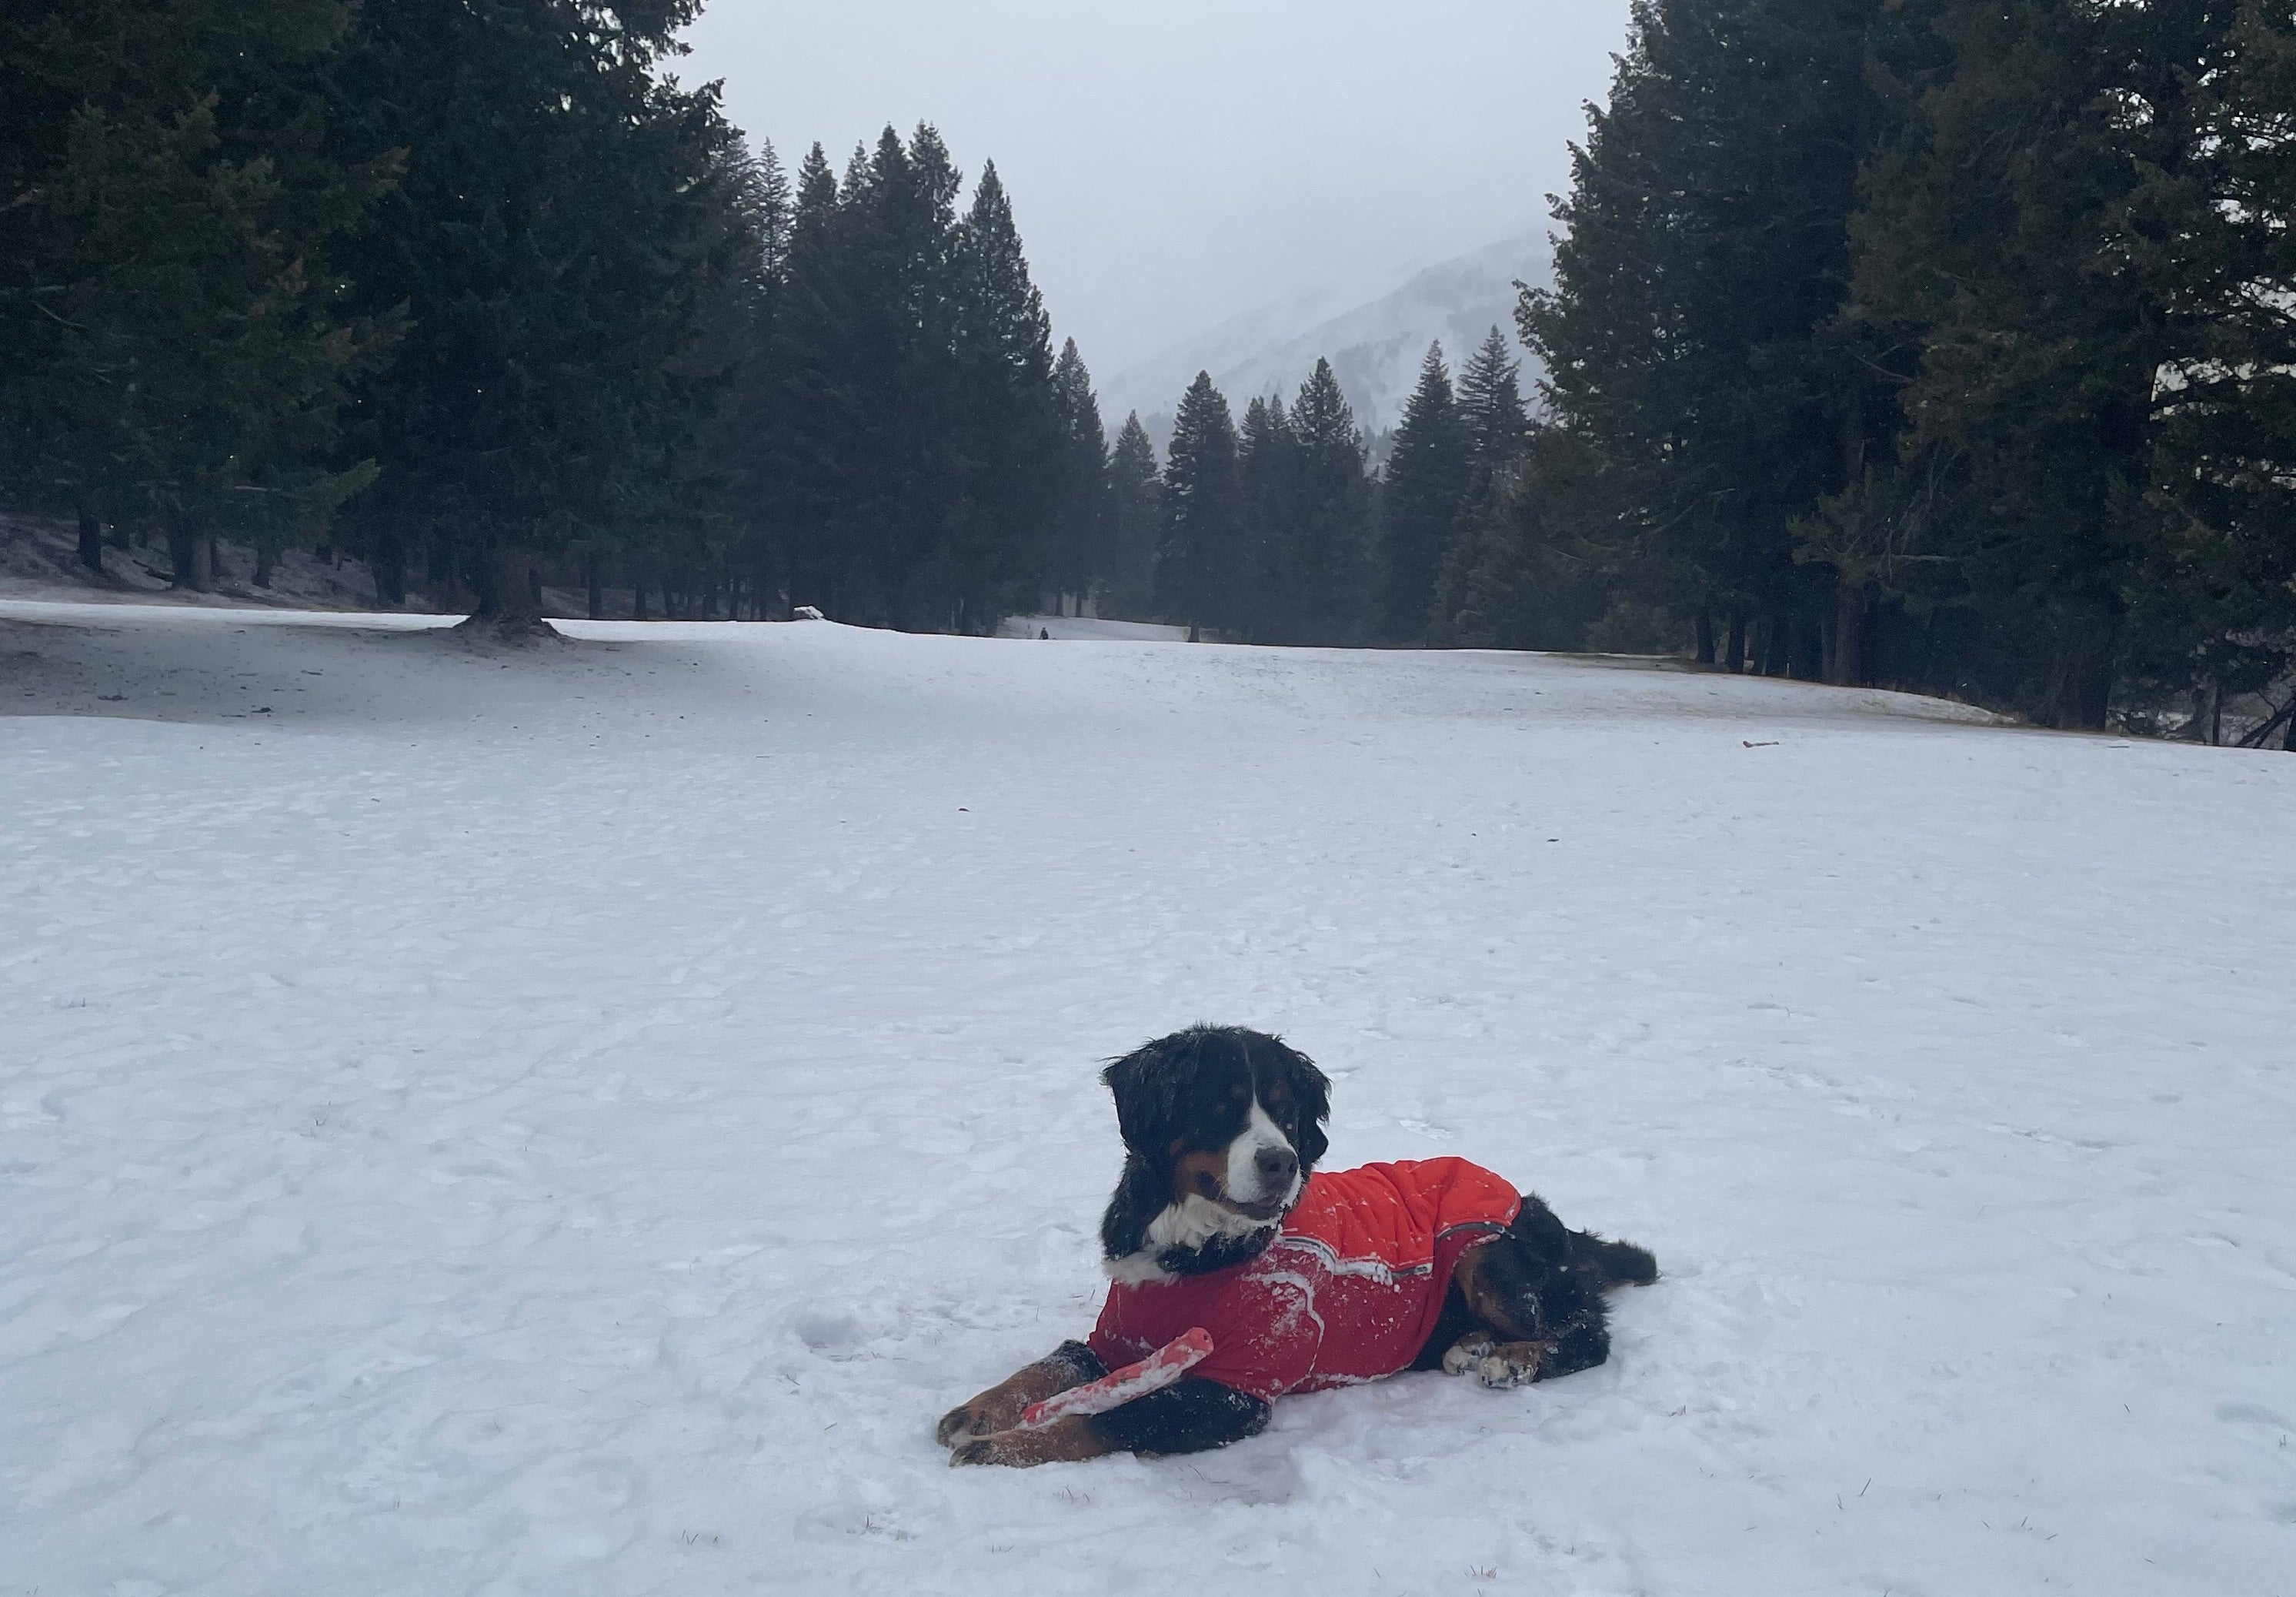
(1153, 1374)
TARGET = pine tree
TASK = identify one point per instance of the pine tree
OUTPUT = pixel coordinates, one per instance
(2012, 227)
(812, 416)
(1200, 554)
(1492, 416)
(1518, 573)
(729, 528)
(773, 201)
(1268, 472)
(1134, 524)
(559, 238)
(2216, 597)
(911, 548)
(176, 350)
(1012, 433)
(1426, 484)
(1080, 558)
(1694, 338)
(1323, 558)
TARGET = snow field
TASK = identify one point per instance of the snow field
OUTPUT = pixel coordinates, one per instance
(570, 1121)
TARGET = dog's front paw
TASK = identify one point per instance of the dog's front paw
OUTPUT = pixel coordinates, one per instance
(988, 1450)
(1063, 1442)
(1511, 1364)
(1466, 1353)
(960, 1422)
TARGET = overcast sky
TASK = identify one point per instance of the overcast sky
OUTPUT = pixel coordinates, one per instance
(1174, 164)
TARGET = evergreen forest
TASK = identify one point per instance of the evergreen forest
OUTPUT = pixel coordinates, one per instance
(1924, 344)
(477, 292)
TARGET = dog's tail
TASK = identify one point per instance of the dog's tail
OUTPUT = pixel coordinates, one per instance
(1622, 1264)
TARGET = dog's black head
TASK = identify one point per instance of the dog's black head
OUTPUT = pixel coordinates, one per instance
(1221, 1128)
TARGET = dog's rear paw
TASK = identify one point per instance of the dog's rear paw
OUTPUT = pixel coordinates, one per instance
(1510, 1365)
(1466, 1353)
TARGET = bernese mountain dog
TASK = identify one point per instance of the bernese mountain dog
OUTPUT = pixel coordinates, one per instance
(1305, 1279)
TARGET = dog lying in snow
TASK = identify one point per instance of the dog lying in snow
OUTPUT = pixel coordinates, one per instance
(1305, 1279)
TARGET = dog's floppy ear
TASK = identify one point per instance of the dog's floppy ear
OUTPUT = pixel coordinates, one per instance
(1311, 1090)
(1139, 1196)
(1146, 1085)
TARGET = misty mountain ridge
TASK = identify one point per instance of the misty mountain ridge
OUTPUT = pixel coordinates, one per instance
(1374, 348)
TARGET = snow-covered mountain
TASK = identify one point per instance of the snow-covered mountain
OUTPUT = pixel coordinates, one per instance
(1374, 346)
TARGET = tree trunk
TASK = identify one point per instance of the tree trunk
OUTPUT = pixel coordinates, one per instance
(215, 572)
(267, 558)
(2080, 689)
(187, 552)
(1849, 642)
(510, 596)
(1735, 659)
(597, 590)
(1805, 660)
(2094, 705)
(389, 565)
(438, 571)
(1777, 655)
(2207, 725)
(91, 543)
(2288, 743)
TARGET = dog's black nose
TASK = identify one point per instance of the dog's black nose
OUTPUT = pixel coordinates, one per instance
(1277, 1166)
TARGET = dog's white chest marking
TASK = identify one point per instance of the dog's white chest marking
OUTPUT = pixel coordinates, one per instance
(1196, 1221)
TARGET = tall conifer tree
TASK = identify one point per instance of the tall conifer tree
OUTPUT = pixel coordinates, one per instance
(1134, 524)
(1079, 558)
(176, 348)
(1426, 483)
(2013, 226)
(1324, 591)
(1200, 556)
(558, 238)
(1013, 438)
(1693, 337)
(1492, 415)
(1267, 469)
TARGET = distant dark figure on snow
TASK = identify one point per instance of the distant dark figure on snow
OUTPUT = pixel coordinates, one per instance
(1304, 1280)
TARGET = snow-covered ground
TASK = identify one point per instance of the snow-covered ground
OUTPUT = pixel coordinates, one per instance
(569, 1122)
(39, 559)
(1085, 628)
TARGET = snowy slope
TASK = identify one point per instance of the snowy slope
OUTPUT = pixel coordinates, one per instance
(1374, 346)
(569, 1123)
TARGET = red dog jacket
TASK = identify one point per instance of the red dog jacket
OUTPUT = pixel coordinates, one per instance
(1349, 1291)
